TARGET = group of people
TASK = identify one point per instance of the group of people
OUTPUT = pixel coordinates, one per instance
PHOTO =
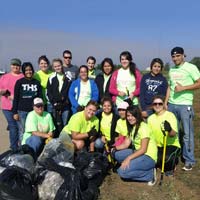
(134, 114)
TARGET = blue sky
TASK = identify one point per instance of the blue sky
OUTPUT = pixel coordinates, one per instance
(103, 28)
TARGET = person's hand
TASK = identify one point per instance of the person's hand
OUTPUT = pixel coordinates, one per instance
(131, 96)
(103, 139)
(50, 134)
(93, 132)
(178, 87)
(121, 93)
(167, 126)
(16, 117)
(126, 163)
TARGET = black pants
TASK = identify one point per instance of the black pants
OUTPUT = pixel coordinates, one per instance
(171, 158)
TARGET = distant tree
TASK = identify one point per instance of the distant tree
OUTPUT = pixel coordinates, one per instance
(196, 61)
(166, 66)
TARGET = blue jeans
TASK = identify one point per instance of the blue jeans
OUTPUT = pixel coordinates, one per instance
(36, 143)
(13, 129)
(140, 168)
(99, 144)
(21, 123)
(185, 115)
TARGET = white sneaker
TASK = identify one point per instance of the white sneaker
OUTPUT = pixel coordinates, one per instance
(153, 181)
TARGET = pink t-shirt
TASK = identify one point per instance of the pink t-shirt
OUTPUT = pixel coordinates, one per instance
(7, 82)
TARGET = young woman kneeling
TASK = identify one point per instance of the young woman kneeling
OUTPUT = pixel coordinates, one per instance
(138, 162)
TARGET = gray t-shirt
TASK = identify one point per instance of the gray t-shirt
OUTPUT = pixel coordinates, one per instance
(71, 72)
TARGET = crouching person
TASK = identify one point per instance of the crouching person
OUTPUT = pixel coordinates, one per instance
(83, 127)
(38, 127)
(138, 162)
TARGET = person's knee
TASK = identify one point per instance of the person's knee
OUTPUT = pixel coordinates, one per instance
(99, 144)
(79, 144)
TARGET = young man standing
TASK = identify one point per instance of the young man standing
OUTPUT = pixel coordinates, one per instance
(184, 78)
(71, 71)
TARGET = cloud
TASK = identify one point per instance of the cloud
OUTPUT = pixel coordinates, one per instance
(29, 44)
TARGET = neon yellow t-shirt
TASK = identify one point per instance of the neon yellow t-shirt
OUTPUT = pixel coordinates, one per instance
(145, 132)
(155, 122)
(79, 124)
(43, 79)
(125, 81)
(121, 127)
(85, 93)
(105, 125)
(35, 122)
(185, 74)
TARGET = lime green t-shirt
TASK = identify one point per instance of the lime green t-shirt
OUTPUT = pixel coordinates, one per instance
(125, 81)
(43, 79)
(121, 127)
(145, 132)
(35, 122)
(79, 124)
(105, 125)
(155, 121)
(185, 74)
(85, 93)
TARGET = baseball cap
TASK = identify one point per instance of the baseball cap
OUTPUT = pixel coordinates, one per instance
(177, 50)
(16, 61)
(123, 105)
(38, 101)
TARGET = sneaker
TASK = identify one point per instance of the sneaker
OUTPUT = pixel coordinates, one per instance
(187, 167)
(169, 173)
(153, 181)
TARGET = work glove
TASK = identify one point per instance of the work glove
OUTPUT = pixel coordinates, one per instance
(167, 126)
(7, 93)
(93, 132)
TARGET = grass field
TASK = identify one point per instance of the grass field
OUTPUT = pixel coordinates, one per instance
(183, 186)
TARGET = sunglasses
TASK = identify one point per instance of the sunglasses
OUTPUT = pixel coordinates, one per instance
(39, 106)
(158, 104)
(67, 57)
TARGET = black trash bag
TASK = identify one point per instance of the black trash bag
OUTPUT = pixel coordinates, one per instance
(17, 184)
(94, 166)
(70, 186)
(17, 158)
(60, 150)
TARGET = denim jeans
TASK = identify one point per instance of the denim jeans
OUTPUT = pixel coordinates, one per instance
(140, 168)
(21, 123)
(36, 143)
(13, 129)
(99, 144)
(185, 115)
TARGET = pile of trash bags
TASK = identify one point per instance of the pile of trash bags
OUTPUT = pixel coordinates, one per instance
(58, 174)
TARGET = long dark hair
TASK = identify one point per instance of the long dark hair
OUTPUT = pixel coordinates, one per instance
(132, 65)
(134, 111)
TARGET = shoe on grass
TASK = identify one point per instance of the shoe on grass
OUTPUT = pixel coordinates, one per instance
(153, 181)
(187, 167)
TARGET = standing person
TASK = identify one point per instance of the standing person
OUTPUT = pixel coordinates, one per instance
(125, 82)
(57, 92)
(184, 78)
(138, 163)
(152, 83)
(7, 84)
(42, 76)
(163, 120)
(26, 89)
(82, 90)
(71, 71)
(83, 127)
(38, 127)
(93, 72)
(103, 80)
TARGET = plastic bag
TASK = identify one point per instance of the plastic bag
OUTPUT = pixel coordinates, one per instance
(49, 187)
(60, 150)
(17, 158)
(16, 184)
